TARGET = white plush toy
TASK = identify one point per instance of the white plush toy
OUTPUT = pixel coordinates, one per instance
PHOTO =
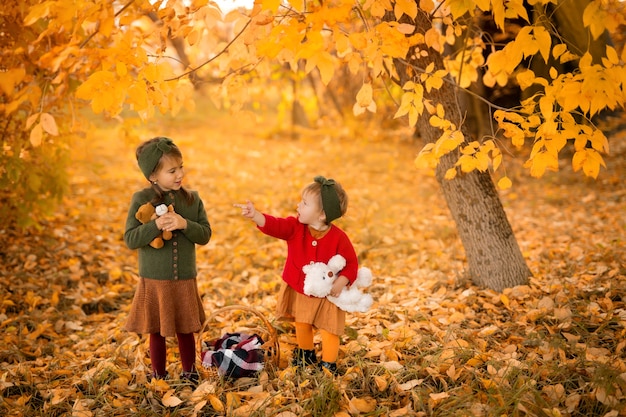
(319, 278)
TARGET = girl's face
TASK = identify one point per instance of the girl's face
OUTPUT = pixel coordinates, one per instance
(309, 210)
(170, 176)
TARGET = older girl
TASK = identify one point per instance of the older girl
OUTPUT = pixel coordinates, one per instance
(166, 302)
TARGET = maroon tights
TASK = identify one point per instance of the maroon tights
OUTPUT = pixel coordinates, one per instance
(158, 352)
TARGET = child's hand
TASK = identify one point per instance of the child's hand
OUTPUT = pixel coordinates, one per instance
(247, 210)
(171, 221)
(338, 286)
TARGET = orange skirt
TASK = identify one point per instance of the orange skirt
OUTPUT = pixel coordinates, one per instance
(166, 307)
(301, 308)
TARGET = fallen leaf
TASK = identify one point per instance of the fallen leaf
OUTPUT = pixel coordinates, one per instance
(362, 405)
(170, 400)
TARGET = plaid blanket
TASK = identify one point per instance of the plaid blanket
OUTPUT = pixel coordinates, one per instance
(235, 355)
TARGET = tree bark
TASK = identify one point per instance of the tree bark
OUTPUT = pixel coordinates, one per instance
(493, 255)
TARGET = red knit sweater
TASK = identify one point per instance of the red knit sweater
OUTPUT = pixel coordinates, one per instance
(303, 248)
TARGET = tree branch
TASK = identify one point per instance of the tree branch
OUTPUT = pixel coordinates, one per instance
(90, 37)
(192, 70)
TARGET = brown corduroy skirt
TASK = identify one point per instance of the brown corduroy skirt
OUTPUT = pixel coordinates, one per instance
(301, 308)
(166, 307)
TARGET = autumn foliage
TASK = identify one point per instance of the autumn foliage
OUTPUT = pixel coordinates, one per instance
(147, 56)
(221, 84)
(432, 345)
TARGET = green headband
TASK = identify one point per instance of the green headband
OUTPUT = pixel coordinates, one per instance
(330, 199)
(150, 156)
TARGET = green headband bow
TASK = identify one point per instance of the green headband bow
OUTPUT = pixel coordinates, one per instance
(330, 199)
(150, 156)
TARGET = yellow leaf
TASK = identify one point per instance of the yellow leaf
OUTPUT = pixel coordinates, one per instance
(48, 124)
(381, 382)
(459, 7)
(497, 159)
(170, 400)
(544, 41)
(270, 4)
(449, 141)
(482, 161)
(81, 408)
(525, 78)
(36, 12)
(10, 78)
(158, 385)
(438, 396)
(467, 163)
(232, 400)
(193, 37)
(599, 141)
(216, 403)
(505, 300)
(611, 55)
(504, 183)
(559, 50)
(594, 17)
(105, 91)
(547, 109)
(324, 63)
(437, 121)
(470, 149)
(362, 405)
(121, 69)
(540, 162)
(499, 14)
(432, 37)
(409, 385)
(525, 43)
(411, 103)
(476, 361)
(408, 7)
(488, 383)
(589, 160)
(364, 96)
(406, 29)
(36, 135)
(450, 173)
(31, 120)
(358, 41)
(427, 5)
(516, 9)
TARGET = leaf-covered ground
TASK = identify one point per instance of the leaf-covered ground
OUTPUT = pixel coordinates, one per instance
(433, 345)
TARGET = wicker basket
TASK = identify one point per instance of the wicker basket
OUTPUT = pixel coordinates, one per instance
(239, 318)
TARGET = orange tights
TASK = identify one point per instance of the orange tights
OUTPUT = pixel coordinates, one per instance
(330, 342)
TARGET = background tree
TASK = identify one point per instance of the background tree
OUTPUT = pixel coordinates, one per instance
(113, 56)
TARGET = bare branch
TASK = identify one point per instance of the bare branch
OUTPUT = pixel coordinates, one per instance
(192, 70)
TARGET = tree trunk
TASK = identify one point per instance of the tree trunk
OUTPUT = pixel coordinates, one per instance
(493, 255)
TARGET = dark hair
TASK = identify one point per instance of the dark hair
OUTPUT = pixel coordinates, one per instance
(174, 152)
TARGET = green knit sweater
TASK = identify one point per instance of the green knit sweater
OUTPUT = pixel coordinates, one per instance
(177, 258)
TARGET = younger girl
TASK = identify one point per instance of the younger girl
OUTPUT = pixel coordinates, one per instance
(311, 238)
(166, 302)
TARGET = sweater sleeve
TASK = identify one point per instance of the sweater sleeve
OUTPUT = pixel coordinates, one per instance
(278, 227)
(199, 231)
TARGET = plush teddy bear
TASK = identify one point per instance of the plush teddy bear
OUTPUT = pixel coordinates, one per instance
(148, 212)
(319, 278)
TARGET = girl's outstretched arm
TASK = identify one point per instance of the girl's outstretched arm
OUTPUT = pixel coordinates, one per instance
(248, 210)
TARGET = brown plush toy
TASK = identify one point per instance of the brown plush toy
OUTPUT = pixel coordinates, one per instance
(148, 212)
